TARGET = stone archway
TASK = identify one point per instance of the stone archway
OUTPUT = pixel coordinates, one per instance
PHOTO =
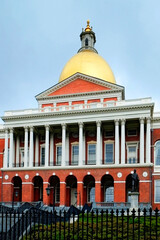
(71, 189)
(89, 189)
(38, 188)
(17, 189)
(54, 183)
(107, 184)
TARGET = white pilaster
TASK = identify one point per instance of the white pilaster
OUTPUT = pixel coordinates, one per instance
(37, 150)
(17, 150)
(51, 148)
(26, 147)
(116, 141)
(5, 163)
(47, 146)
(98, 159)
(11, 148)
(31, 152)
(80, 163)
(63, 143)
(123, 141)
(148, 141)
(141, 140)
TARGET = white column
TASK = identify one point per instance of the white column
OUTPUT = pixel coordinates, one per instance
(116, 141)
(37, 150)
(98, 159)
(63, 144)
(31, 152)
(148, 141)
(17, 150)
(47, 146)
(11, 148)
(141, 140)
(123, 141)
(26, 147)
(51, 149)
(80, 163)
(5, 163)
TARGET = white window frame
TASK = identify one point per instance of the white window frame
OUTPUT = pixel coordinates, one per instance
(73, 161)
(132, 144)
(157, 142)
(89, 161)
(157, 181)
(57, 161)
(42, 146)
(107, 143)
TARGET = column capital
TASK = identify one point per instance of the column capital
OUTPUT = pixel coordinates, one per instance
(80, 124)
(26, 128)
(11, 130)
(116, 121)
(47, 127)
(63, 125)
(31, 128)
(6, 129)
(148, 119)
(123, 120)
(141, 120)
(98, 123)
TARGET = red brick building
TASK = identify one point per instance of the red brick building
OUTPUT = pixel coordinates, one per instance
(83, 138)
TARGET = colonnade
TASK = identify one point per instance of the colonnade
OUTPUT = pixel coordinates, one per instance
(29, 145)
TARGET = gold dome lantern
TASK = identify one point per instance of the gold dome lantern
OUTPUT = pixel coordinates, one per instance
(87, 61)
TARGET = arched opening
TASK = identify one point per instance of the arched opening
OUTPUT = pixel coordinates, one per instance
(86, 42)
(128, 187)
(157, 153)
(54, 182)
(38, 188)
(71, 189)
(107, 184)
(17, 189)
(89, 189)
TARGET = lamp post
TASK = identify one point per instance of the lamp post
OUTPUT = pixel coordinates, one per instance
(48, 190)
(76, 195)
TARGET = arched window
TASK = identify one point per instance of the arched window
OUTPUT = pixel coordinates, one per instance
(86, 42)
(157, 153)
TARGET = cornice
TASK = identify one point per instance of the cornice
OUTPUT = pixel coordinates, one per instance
(78, 112)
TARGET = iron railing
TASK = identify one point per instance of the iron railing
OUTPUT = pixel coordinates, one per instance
(109, 224)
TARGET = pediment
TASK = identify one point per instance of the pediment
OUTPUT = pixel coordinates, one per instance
(78, 84)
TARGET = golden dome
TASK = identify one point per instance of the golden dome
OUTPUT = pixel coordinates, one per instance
(89, 63)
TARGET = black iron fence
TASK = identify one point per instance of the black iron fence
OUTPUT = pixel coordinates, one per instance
(75, 224)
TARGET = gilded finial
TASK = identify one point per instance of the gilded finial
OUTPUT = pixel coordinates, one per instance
(88, 28)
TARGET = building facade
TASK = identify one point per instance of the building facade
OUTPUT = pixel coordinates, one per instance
(83, 141)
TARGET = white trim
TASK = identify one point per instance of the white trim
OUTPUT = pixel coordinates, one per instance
(132, 144)
(0, 177)
(155, 165)
(7, 183)
(45, 182)
(27, 183)
(80, 182)
(155, 174)
(62, 182)
(97, 181)
(145, 181)
(119, 181)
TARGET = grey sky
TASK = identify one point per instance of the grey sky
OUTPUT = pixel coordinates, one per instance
(37, 38)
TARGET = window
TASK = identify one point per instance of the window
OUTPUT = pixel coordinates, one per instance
(109, 153)
(109, 133)
(157, 153)
(58, 155)
(91, 194)
(42, 155)
(86, 42)
(57, 194)
(91, 153)
(75, 154)
(132, 132)
(22, 156)
(109, 194)
(132, 153)
(157, 191)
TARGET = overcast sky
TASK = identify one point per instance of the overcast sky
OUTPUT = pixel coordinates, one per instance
(38, 37)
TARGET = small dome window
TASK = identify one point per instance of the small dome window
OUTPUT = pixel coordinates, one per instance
(86, 42)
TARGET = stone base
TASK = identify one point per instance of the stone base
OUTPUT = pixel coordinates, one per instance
(134, 202)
